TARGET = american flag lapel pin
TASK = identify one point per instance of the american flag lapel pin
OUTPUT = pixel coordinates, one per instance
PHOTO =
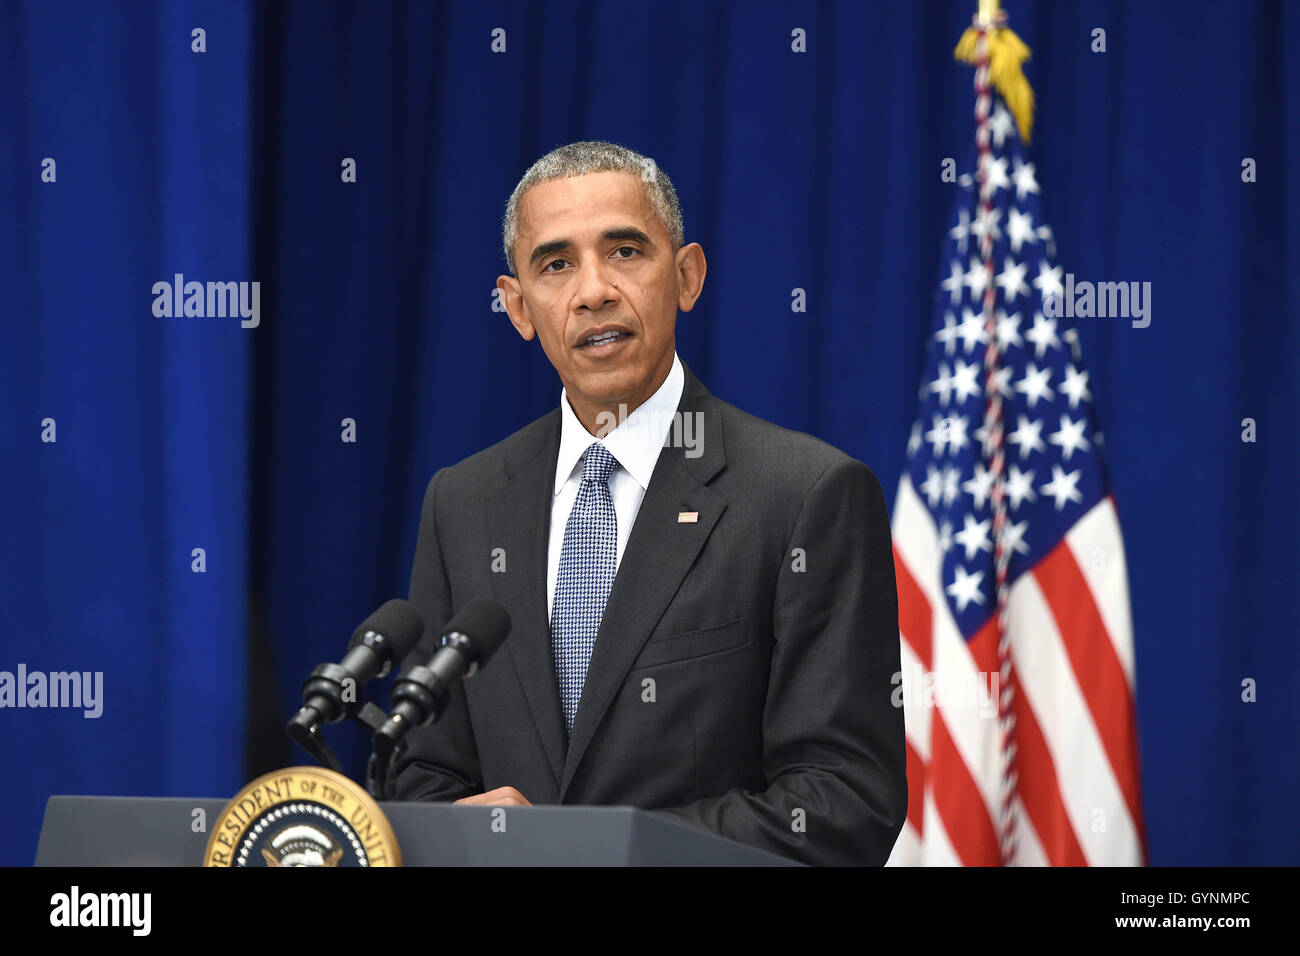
(688, 517)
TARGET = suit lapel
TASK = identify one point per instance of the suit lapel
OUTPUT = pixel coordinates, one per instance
(522, 526)
(659, 553)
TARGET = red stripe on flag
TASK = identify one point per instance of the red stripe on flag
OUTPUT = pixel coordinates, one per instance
(1097, 669)
(915, 790)
(1039, 788)
(960, 805)
(913, 612)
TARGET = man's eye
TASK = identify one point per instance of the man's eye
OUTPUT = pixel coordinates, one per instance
(625, 249)
(547, 267)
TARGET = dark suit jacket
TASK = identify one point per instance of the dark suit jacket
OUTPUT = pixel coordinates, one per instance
(741, 677)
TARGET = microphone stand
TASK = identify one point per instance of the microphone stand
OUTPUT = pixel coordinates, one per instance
(380, 766)
(308, 736)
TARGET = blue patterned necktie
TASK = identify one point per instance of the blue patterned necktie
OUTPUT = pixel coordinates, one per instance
(588, 560)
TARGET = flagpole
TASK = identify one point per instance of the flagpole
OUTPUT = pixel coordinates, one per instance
(987, 24)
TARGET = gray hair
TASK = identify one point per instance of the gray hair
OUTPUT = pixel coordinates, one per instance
(595, 156)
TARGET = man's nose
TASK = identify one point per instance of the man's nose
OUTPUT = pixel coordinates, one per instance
(596, 288)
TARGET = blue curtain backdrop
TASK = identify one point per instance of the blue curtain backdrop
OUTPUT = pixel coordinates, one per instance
(818, 170)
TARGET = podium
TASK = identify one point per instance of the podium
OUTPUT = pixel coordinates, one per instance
(160, 831)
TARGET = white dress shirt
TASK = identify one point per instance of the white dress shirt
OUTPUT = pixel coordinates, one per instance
(635, 444)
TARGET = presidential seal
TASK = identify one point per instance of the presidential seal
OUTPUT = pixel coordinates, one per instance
(302, 816)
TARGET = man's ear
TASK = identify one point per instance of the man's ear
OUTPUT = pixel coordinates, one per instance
(690, 275)
(513, 299)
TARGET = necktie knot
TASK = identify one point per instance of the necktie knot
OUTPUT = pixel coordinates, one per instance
(598, 464)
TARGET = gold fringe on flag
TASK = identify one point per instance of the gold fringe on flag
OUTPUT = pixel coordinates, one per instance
(1006, 52)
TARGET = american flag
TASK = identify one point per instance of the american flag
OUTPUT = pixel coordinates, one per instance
(1019, 706)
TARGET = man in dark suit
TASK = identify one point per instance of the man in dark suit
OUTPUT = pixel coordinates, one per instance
(705, 617)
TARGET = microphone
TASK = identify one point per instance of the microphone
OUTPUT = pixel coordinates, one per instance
(382, 640)
(467, 642)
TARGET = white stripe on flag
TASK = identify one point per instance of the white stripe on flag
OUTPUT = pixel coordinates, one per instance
(936, 849)
(907, 848)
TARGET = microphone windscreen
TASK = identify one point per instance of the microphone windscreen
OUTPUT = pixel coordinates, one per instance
(401, 625)
(484, 622)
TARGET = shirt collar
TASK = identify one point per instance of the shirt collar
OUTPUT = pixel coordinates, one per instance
(636, 443)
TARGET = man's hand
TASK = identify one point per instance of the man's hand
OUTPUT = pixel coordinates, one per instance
(500, 797)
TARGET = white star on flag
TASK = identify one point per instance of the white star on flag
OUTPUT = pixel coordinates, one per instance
(1048, 282)
(966, 588)
(1024, 179)
(953, 284)
(974, 537)
(1020, 229)
(1012, 279)
(971, 331)
(1070, 437)
(961, 231)
(1034, 385)
(1019, 485)
(1075, 386)
(1043, 335)
(1026, 436)
(1062, 487)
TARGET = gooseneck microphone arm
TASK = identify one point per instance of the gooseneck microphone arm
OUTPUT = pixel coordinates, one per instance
(305, 732)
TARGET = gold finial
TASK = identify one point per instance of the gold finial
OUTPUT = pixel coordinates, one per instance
(1003, 52)
(988, 12)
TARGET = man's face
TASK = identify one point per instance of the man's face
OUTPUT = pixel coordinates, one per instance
(600, 286)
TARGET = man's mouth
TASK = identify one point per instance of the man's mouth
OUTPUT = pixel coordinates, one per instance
(602, 342)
